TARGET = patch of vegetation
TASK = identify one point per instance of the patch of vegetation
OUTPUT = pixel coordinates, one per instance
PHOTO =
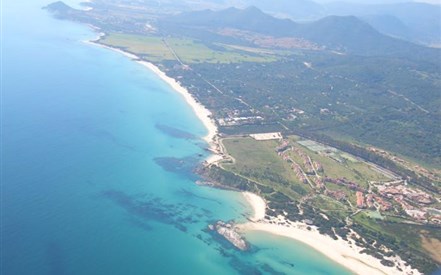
(189, 51)
(335, 101)
(403, 239)
(382, 92)
(259, 161)
(150, 47)
(252, 169)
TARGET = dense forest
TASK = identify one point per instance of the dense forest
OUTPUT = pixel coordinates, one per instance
(389, 103)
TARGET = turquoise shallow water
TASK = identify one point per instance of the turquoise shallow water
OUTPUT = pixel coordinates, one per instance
(97, 159)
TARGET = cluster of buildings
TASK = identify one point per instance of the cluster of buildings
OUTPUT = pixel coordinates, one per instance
(299, 172)
(383, 205)
(338, 195)
(283, 147)
(344, 182)
(311, 166)
(294, 113)
(235, 117)
(372, 201)
(360, 199)
(411, 200)
(235, 121)
(319, 183)
(418, 169)
(309, 169)
(281, 151)
(434, 215)
(363, 199)
(317, 166)
(405, 193)
(383, 197)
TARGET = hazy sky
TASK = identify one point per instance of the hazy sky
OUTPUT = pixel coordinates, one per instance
(380, 1)
(430, 1)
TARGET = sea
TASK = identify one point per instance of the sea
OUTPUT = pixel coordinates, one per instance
(97, 161)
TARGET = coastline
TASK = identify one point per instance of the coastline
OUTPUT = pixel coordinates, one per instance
(201, 112)
(258, 204)
(339, 251)
(204, 115)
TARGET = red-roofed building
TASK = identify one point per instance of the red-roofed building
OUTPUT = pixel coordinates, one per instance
(360, 199)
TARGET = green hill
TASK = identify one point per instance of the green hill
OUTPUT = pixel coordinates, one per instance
(346, 34)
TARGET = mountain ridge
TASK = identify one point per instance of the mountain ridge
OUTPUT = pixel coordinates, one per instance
(346, 34)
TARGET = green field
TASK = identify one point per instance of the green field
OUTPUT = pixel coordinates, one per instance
(350, 169)
(146, 46)
(189, 51)
(276, 181)
(412, 235)
(327, 205)
(258, 161)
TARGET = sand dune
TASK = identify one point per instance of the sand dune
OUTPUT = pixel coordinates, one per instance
(340, 251)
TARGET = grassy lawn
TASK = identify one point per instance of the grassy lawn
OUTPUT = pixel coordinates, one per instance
(355, 171)
(413, 235)
(189, 51)
(251, 154)
(258, 160)
(147, 46)
(327, 204)
(374, 215)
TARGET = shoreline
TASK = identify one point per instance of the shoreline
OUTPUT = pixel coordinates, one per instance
(339, 251)
(343, 253)
(258, 204)
(202, 113)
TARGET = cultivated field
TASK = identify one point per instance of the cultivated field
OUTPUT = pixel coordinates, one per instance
(157, 49)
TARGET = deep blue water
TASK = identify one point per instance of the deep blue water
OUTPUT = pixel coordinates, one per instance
(97, 158)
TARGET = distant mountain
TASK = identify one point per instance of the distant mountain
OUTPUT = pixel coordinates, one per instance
(61, 10)
(249, 19)
(295, 9)
(58, 7)
(422, 21)
(346, 34)
(390, 25)
(350, 34)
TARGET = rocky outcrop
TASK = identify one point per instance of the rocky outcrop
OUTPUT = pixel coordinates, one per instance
(229, 233)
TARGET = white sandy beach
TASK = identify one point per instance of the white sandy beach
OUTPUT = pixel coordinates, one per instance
(340, 251)
(258, 205)
(201, 112)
